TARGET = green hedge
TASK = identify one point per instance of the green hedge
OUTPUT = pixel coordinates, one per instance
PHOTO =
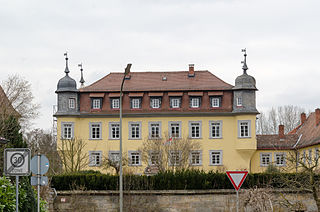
(187, 179)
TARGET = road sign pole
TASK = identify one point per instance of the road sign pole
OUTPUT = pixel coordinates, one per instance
(237, 201)
(39, 175)
(17, 193)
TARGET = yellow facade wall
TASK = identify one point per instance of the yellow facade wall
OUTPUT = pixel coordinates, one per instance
(236, 152)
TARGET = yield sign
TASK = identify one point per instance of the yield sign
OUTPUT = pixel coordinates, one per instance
(237, 178)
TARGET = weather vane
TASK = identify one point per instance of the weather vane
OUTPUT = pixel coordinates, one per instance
(244, 62)
(81, 80)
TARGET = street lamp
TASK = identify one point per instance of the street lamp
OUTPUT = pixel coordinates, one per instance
(126, 72)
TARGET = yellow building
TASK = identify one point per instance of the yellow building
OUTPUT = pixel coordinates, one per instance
(162, 105)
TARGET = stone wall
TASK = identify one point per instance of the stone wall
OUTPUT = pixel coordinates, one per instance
(168, 201)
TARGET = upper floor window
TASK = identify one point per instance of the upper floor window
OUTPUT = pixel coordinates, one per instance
(115, 103)
(95, 130)
(265, 159)
(195, 102)
(154, 130)
(95, 158)
(96, 103)
(195, 158)
(72, 103)
(134, 130)
(215, 101)
(279, 159)
(135, 103)
(67, 130)
(175, 102)
(239, 101)
(114, 130)
(155, 102)
(215, 129)
(134, 158)
(215, 157)
(195, 129)
(175, 129)
(244, 128)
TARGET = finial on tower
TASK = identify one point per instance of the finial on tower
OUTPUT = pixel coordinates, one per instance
(66, 70)
(81, 80)
(244, 67)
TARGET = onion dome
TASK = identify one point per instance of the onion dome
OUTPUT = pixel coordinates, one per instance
(66, 83)
(245, 81)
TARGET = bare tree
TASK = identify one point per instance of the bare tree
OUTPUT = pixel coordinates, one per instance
(288, 115)
(18, 91)
(168, 153)
(113, 162)
(72, 154)
(258, 199)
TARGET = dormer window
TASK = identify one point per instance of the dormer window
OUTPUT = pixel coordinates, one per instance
(96, 100)
(96, 103)
(72, 103)
(175, 102)
(115, 103)
(239, 101)
(215, 101)
(155, 102)
(136, 103)
(195, 102)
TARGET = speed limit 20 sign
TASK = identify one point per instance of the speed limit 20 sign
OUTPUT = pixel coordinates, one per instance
(17, 161)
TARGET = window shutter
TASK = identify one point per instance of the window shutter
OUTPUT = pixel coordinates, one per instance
(111, 100)
(200, 102)
(131, 103)
(91, 103)
(220, 101)
(160, 102)
(150, 102)
(190, 102)
(170, 100)
(180, 100)
(140, 102)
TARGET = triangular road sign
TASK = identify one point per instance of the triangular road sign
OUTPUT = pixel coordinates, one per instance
(237, 178)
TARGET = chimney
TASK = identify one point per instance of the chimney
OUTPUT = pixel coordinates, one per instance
(191, 70)
(281, 131)
(303, 118)
(317, 116)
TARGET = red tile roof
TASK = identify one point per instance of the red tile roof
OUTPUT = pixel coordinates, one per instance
(154, 81)
(273, 142)
(309, 131)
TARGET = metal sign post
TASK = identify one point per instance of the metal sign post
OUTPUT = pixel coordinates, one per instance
(17, 163)
(237, 178)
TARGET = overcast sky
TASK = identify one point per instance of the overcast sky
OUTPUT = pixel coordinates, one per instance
(281, 37)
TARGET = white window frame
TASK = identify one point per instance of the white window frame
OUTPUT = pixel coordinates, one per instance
(115, 103)
(175, 102)
(114, 126)
(93, 126)
(195, 102)
(134, 162)
(176, 124)
(177, 155)
(217, 153)
(263, 157)
(155, 103)
(280, 156)
(135, 103)
(192, 125)
(239, 101)
(240, 125)
(213, 125)
(72, 103)
(95, 158)
(114, 156)
(215, 102)
(195, 161)
(152, 126)
(154, 156)
(134, 131)
(67, 128)
(96, 103)
(309, 156)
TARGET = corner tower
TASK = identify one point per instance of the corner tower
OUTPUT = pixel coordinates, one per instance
(244, 94)
(67, 91)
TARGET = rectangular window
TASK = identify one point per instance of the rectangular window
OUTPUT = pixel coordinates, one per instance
(310, 156)
(95, 158)
(134, 158)
(174, 158)
(244, 129)
(95, 130)
(114, 156)
(194, 102)
(72, 103)
(155, 103)
(134, 130)
(316, 155)
(175, 129)
(195, 158)
(304, 156)
(215, 102)
(175, 102)
(239, 101)
(194, 129)
(67, 130)
(154, 158)
(154, 130)
(215, 157)
(215, 129)
(135, 103)
(279, 159)
(114, 130)
(96, 103)
(115, 103)
(265, 159)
